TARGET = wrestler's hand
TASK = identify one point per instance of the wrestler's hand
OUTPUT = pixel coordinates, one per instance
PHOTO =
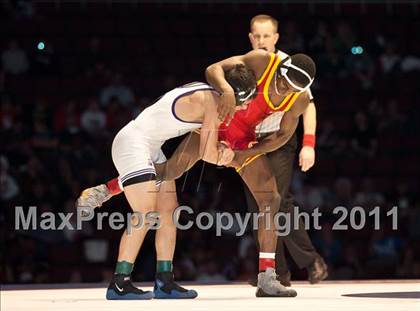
(238, 160)
(226, 107)
(306, 158)
(221, 145)
(225, 155)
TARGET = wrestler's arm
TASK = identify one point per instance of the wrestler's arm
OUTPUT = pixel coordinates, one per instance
(274, 141)
(215, 74)
(307, 153)
(256, 60)
(186, 155)
(208, 150)
(309, 119)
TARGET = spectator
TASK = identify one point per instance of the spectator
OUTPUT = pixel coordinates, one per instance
(362, 68)
(393, 119)
(117, 114)
(64, 111)
(24, 9)
(329, 245)
(2, 82)
(331, 63)
(310, 198)
(404, 198)
(385, 249)
(42, 113)
(343, 193)
(321, 38)
(328, 139)
(14, 59)
(350, 266)
(363, 136)
(9, 188)
(93, 119)
(407, 266)
(94, 60)
(71, 135)
(390, 60)
(117, 89)
(209, 272)
(410, 63)
(8, 114)
(42, 136)
(345, 38)
(292, 40)
(368, 196)
(376, 111)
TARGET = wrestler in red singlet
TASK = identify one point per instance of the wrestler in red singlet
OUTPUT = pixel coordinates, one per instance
(240, 133)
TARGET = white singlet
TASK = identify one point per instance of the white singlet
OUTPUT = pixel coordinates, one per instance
(137, 146)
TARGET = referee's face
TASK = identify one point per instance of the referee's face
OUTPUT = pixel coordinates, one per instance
(263, 35)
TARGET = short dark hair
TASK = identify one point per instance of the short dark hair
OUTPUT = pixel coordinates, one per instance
(241, 79)
(305, 63)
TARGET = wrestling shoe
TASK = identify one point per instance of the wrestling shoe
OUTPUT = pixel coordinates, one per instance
(166, 288)
(121, 288)
(284, 280)
(92, 198)
(268, 286)
(317, 271)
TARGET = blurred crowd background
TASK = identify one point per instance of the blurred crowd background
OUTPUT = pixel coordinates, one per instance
(73, 73)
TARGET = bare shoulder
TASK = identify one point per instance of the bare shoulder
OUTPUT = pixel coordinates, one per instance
(208, 99)
(212, 99)
(301, 104)
(258, 53)
(305, 97)
(257, 57)
(197, 96)
(257, 61)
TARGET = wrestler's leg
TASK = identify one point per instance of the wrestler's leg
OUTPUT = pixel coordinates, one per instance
(142, 199)
(261, 182)
(259, 179)
(184, 157)
(165, 286)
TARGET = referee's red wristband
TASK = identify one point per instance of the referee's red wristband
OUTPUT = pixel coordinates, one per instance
(309, 140)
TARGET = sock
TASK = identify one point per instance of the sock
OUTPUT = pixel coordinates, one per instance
(164, 266)
(266, 260)
(124, 267)
(114, 186)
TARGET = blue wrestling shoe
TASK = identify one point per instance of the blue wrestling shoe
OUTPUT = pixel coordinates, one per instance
(166, 288)
(121, 288)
